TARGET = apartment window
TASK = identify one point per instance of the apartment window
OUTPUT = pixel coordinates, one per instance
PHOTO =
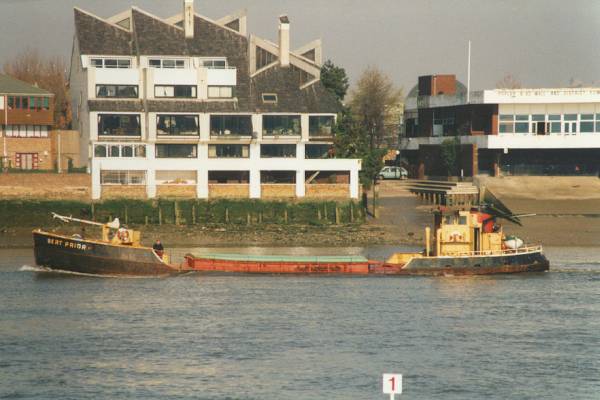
(32, 101)
(11, 103)
(277, 150)
(507, 123)
(320, 125)
(166, 63)
(220, 92)
(284, 125)
(114, 151)
(521, 123)
(228, 151)
(175, 91)
(312, 151)
(100, 150)
(26, 131)
(108, 177)
(119, 125)
(586, 123)
(214, 63)
(117, 91)
(269, 98)
(176, 151)
(46, 103)
(225, 125)
(110, 63)
(24, 103)
(555, 123)
(174, 125)
(286, 177)
(176, 177)
(231, 177)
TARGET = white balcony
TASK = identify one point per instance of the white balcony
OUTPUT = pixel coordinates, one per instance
(173, 76)
(221, 76)
(115, 76)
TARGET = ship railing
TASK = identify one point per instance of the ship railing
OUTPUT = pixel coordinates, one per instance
(520, 250)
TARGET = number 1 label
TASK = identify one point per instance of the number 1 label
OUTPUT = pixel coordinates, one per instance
(392, 383)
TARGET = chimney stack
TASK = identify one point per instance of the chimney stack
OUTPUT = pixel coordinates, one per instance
(284, 41)
(188, 18)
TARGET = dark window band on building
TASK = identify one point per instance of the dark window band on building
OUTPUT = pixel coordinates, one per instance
(176, 151)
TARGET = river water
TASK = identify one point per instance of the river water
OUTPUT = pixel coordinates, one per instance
(534, 336)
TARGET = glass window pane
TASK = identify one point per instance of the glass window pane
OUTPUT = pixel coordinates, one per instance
(140, 150)
(506, 117)
(126, 151)
(538, 117)
(586, 126)
(97, 62)
(129, 91)
(168, 63)
(522, 127)
(124, 63)
(555, 127)
(522, 117)
(154, 63)
(108, 63)
(587, 116)
(570, 117)
(554, 117)
(507, 127)
(114, 151)
(100, 150)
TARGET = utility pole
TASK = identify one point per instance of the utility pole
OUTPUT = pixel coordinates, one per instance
(469, 74)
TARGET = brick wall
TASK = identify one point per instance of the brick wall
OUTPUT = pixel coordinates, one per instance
(229, 190)
(40, 146)
(45, 186)
(277, 191)
(327, 190)
(69, 147)
(183, 191)
(123, 192)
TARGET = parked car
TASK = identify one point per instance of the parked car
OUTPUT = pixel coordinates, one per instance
(393, 173)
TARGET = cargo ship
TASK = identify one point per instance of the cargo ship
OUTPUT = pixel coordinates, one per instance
(461, 243)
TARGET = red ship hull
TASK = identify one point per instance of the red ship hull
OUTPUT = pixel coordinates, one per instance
(277, 267)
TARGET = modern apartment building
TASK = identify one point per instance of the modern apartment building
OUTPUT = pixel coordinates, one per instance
(513, 131)
(26, 117)
(194, 107)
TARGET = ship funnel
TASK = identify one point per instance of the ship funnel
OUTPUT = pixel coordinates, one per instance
(115, 224)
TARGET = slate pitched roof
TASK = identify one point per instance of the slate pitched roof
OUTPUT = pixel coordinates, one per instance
(151, 35)
(10, 85)
(155, 37)
(96, 36)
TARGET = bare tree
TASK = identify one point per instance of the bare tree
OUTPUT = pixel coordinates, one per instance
(576, 83)
(509, 81)
(373, 100)
(47, 73)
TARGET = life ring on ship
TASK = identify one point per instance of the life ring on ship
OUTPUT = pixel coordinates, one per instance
(123, 235)
(456, 236)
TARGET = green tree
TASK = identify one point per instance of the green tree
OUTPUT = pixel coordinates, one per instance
(334, 79)
(373, 100)
(450, 154)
